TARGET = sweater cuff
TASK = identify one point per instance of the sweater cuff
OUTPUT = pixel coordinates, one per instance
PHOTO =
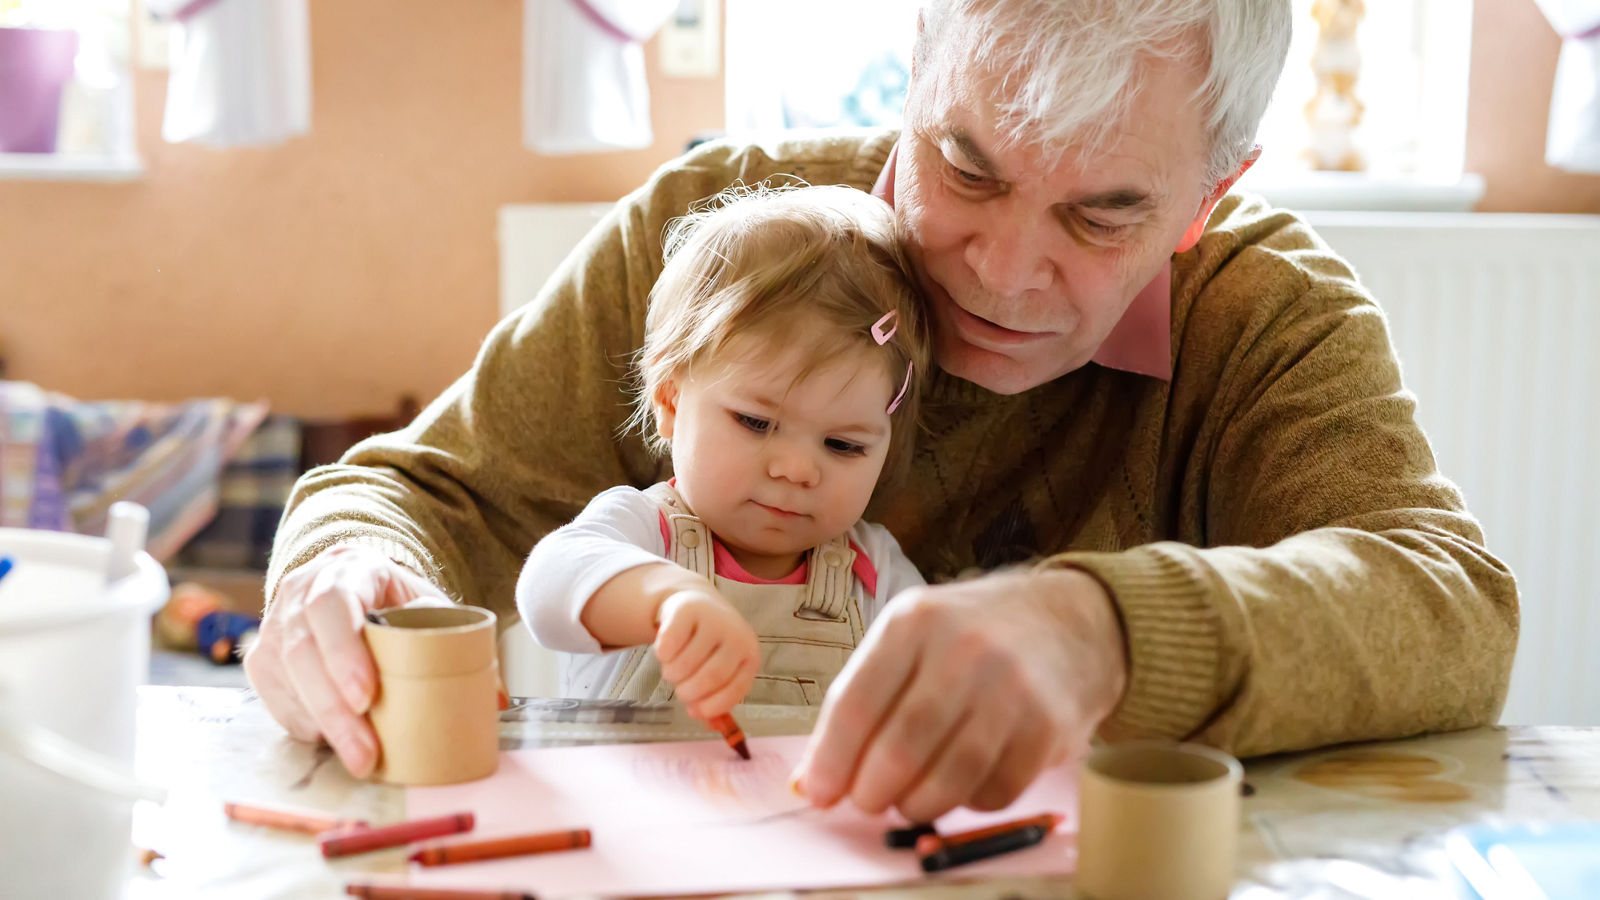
(314, 544)
(1172, 636)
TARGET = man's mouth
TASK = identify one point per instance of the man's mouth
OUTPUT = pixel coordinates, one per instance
(980, 330)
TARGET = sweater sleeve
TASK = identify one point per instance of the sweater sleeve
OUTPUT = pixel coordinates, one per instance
(1343, 591)
(619, 530)
(523, 440)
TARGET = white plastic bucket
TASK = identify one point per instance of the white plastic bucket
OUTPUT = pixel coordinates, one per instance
(72, 650)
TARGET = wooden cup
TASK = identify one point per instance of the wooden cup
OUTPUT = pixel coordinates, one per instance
(1157, 821)
(437, 711)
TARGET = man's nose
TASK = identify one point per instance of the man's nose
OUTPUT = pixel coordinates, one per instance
(1008, 256)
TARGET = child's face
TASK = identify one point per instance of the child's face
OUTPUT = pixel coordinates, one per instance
(772, 465)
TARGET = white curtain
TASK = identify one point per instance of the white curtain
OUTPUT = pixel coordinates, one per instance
(1573, 141)
(583, 81)
(240, 71)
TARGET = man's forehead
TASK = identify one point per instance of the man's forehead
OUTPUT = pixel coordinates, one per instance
(1115, 178)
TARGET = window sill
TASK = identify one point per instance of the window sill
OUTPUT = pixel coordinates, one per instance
(1361, 191)
(63, 167)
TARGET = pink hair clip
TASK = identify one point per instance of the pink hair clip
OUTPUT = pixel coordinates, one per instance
(882, 337)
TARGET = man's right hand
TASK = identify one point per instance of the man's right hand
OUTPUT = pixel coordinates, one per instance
(309, 665)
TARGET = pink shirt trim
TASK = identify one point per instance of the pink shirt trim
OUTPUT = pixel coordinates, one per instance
(723, 563)
(1140, 342)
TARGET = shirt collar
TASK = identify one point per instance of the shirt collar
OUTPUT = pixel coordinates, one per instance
(1140, 342)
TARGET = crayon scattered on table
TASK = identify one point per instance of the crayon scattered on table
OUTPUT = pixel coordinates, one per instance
(147, 856)
(6, 564)
(732, 734)
(932, 841)
(303, 821)
(497, 848)
(363, 840)
(951, 855)
(906, 838)
(409, 892)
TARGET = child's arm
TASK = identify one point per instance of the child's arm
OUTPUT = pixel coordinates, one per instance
(707, 650)
(602, 582)
(619, 530)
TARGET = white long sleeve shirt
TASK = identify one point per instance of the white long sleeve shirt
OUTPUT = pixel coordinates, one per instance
(621, 529)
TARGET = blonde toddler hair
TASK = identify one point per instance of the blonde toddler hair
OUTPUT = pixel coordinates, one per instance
(805, 268)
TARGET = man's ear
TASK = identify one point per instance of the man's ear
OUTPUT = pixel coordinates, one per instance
(665, 404)
(1198, 227)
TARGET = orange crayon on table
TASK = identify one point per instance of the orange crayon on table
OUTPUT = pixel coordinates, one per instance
(931, 843)
(498, 848)
(304, 821)
(362, 840)
(409, 892)
(731, 733)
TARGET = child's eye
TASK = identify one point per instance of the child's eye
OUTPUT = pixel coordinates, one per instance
(845, 448)
(754, 423)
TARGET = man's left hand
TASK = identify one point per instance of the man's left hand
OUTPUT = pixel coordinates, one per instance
(964, 692)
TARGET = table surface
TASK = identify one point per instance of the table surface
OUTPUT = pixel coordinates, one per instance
(1356, 821)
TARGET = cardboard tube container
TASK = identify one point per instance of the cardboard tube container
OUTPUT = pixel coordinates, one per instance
(1157, 821)
(437, 713)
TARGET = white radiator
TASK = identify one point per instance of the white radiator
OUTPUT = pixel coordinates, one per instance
(1496, 320)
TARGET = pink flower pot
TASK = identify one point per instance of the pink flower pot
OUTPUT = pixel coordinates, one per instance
(35, 64)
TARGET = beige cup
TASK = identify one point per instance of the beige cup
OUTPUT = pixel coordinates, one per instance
(437, 711)
(1157, 821)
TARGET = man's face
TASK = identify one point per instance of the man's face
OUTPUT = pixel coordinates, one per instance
(1028, 259)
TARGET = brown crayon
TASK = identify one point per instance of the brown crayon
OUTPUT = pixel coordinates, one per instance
(521, 845)
(409, 892)
(732, 734)
(362, 840)
(932, 843)
(303, 821)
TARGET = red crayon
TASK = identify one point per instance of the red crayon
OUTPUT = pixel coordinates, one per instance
(407, 892)
(362, 840)
(932, 843)
(498, 848)
(732, 734)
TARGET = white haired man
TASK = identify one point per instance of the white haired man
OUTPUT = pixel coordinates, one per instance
(1174, 405)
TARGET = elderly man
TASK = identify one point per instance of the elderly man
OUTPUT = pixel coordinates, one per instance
(1168, 416)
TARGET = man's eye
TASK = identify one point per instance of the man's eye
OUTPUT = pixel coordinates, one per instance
(1101, 228)
(758, 425)
(845, 448)
(970, 179)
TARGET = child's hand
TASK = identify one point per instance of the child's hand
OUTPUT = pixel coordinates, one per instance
(707, 650)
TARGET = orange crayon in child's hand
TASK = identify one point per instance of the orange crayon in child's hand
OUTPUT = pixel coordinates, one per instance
(731, 733)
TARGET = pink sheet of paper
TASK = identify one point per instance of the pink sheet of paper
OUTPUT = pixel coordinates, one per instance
(692, 818)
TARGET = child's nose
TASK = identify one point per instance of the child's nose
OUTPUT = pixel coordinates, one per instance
(791, 463)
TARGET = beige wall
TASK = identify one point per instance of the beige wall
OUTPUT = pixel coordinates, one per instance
(335, 272)
(329, 274)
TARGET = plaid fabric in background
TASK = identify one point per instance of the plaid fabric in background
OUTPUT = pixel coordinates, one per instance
(254, 486)
(63, 462)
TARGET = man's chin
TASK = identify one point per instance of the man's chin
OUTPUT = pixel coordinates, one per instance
(990, 370)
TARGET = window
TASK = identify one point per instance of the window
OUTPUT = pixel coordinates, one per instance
(805, 71)
(66, 96)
